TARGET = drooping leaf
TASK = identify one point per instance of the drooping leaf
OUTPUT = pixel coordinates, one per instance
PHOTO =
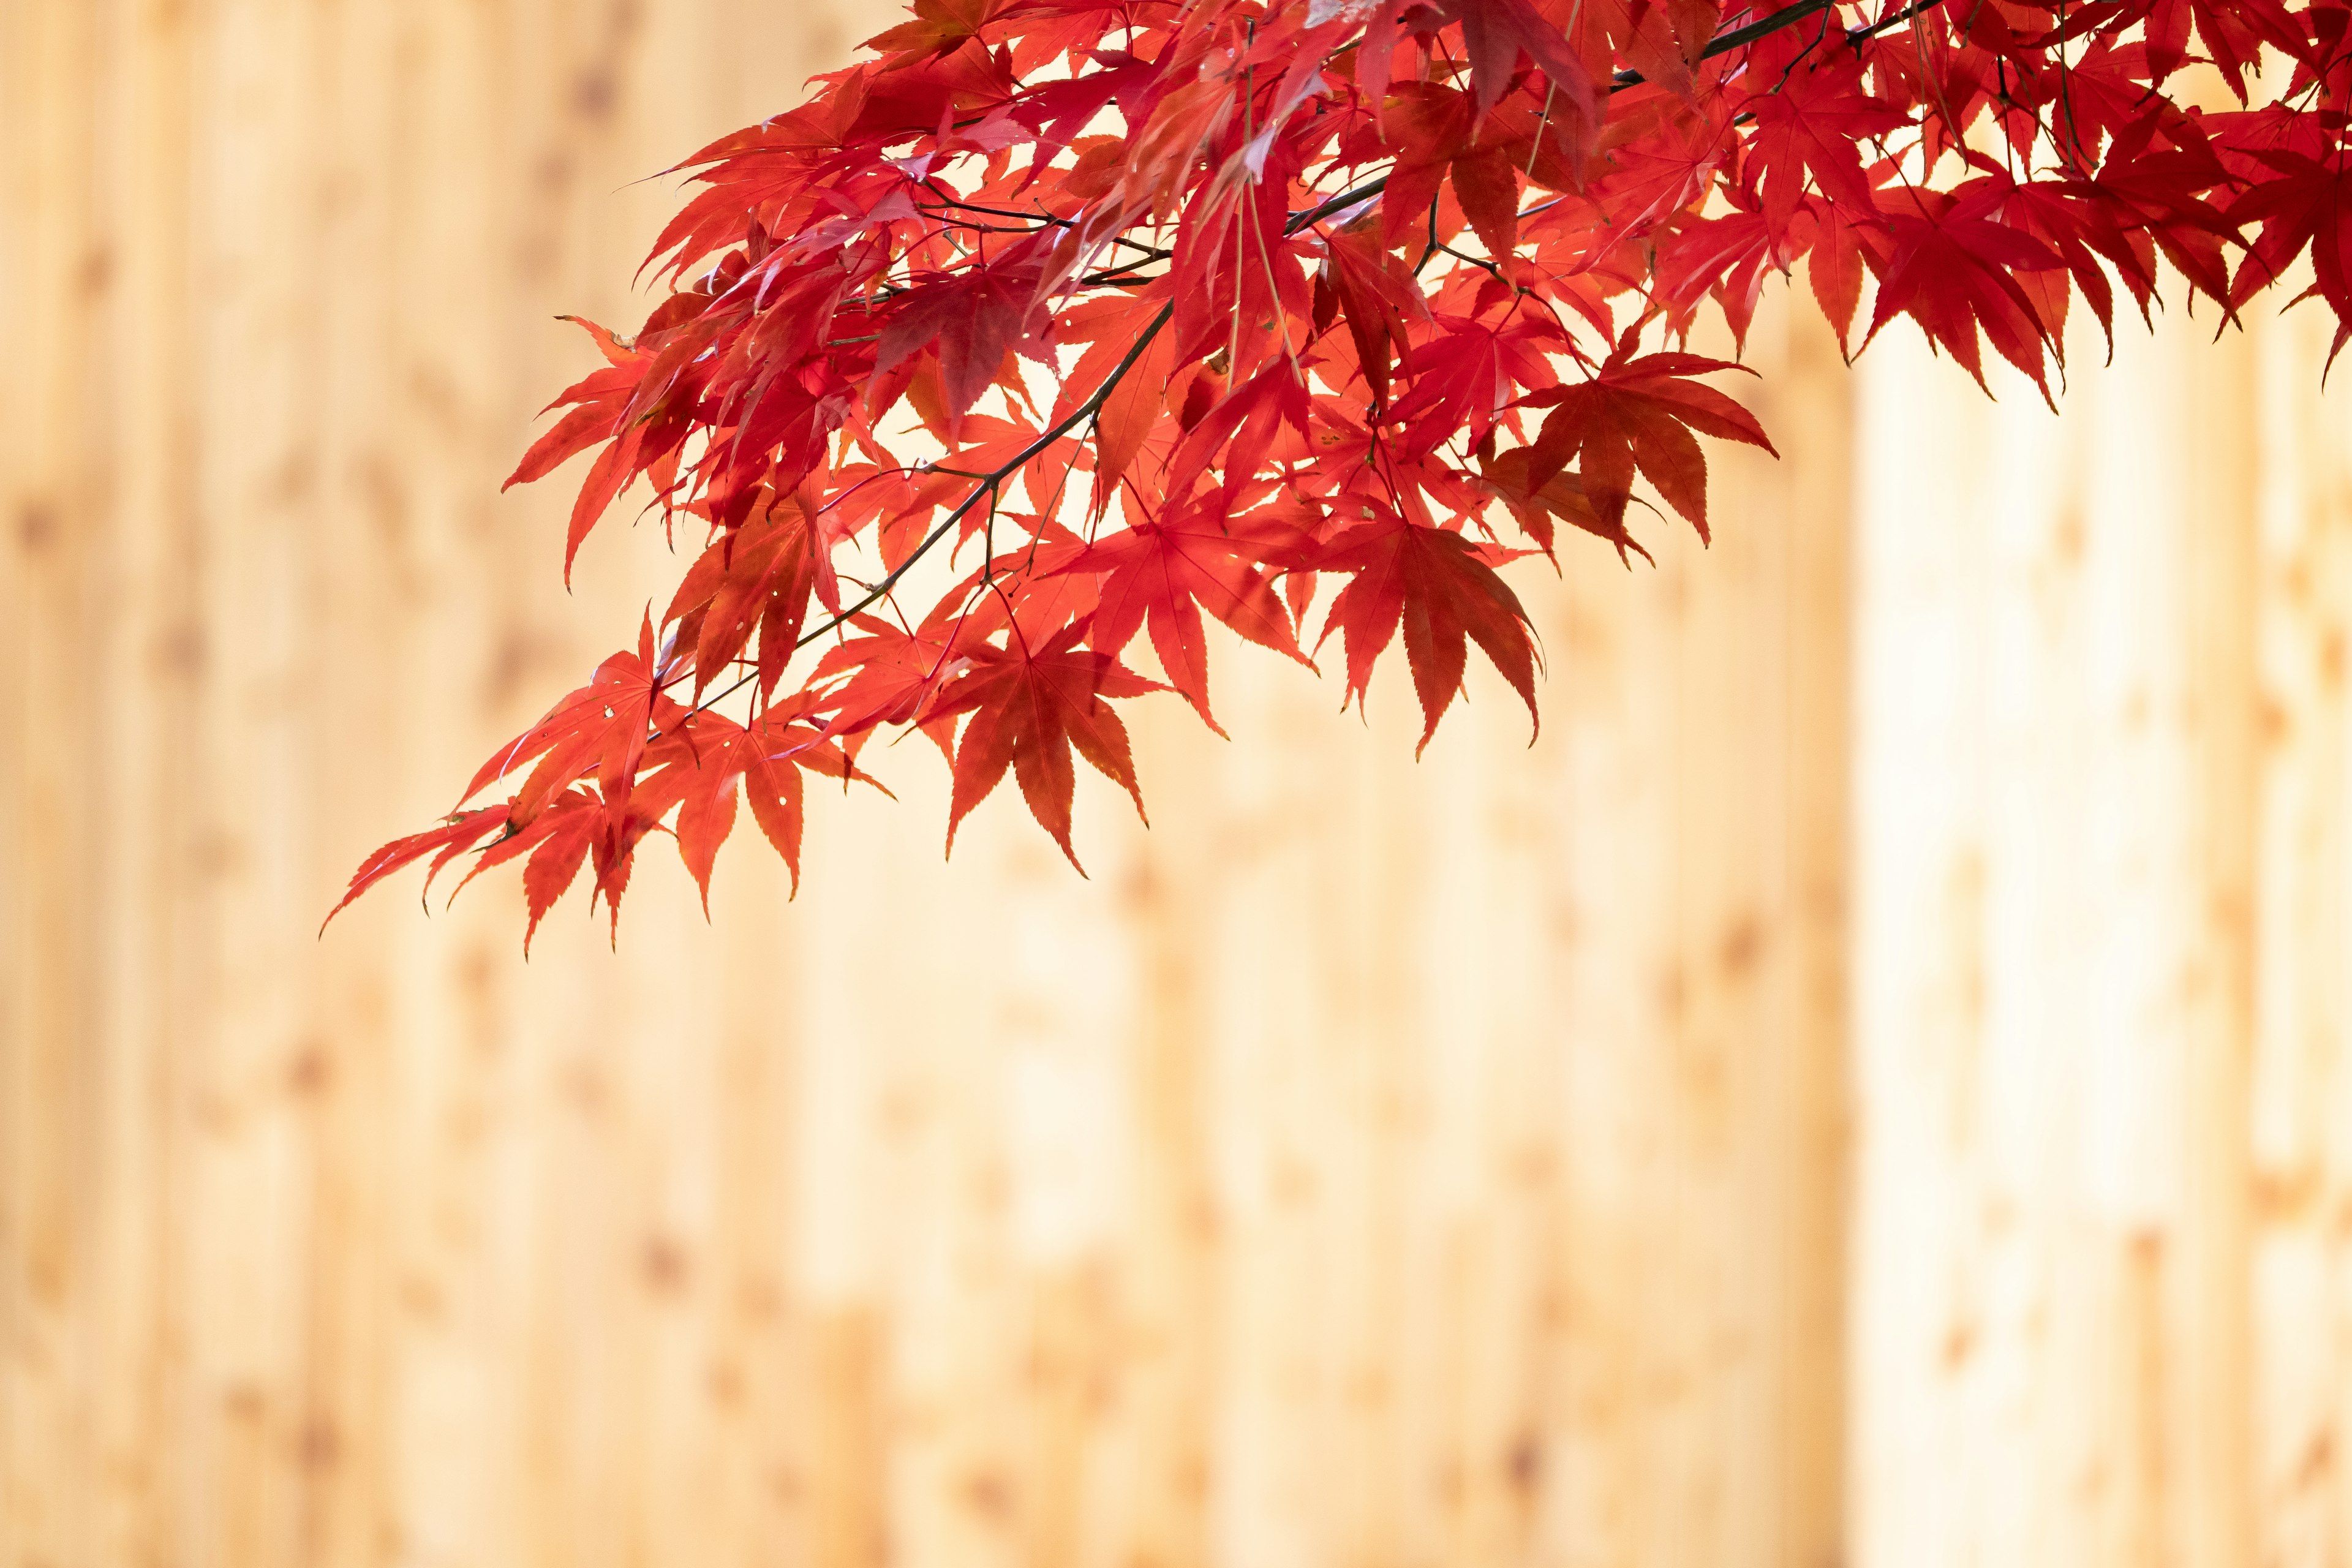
(1443, 589)
(1031, 709)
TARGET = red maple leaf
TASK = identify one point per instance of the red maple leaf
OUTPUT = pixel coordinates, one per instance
(970, 319)
(1444, 591)
(1639, 412)
(599, 731)
(1953, 273)
(709, 758)
(1436, 137)
(1029, 708)
(1817, 136)
(1164, 574)
(2308, 206)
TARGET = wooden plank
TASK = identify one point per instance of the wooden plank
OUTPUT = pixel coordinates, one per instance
(54, 499)
(2301, 1093)
(1700, 867)
(263, 211)
(2054, 870)
(151, 677)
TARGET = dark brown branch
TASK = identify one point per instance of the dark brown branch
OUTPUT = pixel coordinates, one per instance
(1788, 17)
(1722, 43)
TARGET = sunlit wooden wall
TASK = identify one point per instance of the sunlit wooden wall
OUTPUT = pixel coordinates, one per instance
(2101, 1304)
(1869, 1085)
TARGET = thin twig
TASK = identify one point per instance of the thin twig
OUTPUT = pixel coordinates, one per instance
(881, 589)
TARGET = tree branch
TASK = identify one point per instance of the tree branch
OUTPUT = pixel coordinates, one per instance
(987, 484)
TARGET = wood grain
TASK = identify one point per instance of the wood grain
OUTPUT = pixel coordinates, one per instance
(1375, 1162)
(2064, 865)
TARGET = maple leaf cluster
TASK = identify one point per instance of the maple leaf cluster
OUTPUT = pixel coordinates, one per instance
(1058, 324)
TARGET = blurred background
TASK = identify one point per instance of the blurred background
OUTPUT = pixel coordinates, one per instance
(1871, 1085)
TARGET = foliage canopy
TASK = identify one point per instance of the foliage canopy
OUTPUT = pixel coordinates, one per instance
(1053, 324)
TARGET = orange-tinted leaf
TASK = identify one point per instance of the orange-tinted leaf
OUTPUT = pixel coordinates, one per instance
(454, 837)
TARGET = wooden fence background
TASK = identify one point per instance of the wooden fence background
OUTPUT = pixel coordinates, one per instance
(1873, 1085)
